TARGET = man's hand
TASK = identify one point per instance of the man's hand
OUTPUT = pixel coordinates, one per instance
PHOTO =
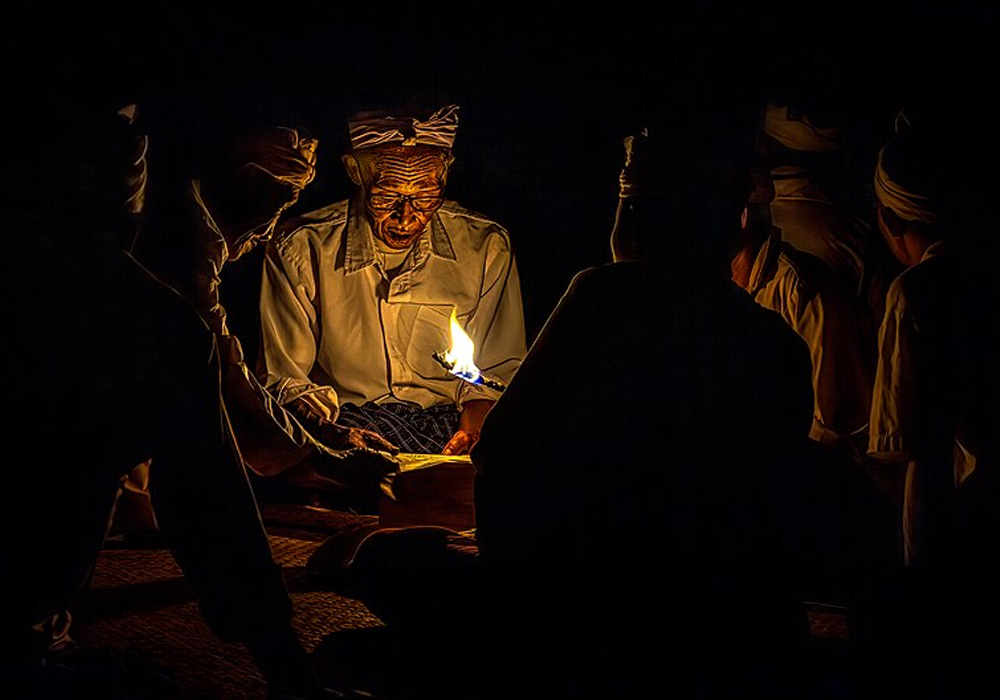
(354, 476)
(461, 442)
(629, 179)
(315, 418)
(469, 424)
(261, 176)
(280, 153)
(342, 437)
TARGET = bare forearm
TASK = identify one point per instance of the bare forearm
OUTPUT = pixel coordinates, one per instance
(473, 414)
(470, 423)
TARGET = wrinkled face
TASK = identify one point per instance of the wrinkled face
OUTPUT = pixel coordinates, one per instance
(403, 188)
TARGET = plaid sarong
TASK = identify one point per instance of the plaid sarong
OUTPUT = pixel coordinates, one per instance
(408, 427)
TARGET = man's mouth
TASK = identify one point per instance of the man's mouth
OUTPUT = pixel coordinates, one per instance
(398, 235)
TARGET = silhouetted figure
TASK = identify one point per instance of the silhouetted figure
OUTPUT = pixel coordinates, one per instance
(628, 521)
(114, 362)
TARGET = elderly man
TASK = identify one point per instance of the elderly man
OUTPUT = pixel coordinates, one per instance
(357, 297)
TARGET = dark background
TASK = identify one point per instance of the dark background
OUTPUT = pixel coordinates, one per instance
(546, 95)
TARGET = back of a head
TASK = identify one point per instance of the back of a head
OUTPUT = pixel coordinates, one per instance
(694, 185)
(918, 174)
(801, 135)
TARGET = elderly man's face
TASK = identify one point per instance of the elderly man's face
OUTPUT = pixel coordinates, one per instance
(404, 187)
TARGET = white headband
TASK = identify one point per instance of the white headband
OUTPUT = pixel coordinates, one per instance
(905, 203)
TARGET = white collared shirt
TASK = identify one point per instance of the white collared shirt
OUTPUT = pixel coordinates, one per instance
(835, 327)
(336, 328)
(816, 224)
(898, 420)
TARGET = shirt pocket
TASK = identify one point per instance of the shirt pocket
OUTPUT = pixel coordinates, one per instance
(431, 334)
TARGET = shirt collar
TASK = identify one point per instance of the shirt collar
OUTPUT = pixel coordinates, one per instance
(764, 265)
(359, 241)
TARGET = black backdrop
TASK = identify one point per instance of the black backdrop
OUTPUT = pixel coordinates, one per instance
(546, 95)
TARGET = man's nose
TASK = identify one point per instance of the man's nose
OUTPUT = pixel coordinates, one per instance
(404, 210)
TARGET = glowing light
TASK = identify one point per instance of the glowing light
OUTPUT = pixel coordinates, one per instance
(460, 355)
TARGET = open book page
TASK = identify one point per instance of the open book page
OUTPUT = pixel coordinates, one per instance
(409, 461)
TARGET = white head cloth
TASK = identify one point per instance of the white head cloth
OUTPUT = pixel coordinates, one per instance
(376, 128)
(907, 201)
(798, 132)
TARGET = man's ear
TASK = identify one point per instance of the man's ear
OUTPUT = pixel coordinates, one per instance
(353, 168)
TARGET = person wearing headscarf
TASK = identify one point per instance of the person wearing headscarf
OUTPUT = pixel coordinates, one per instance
(802, 256)
(358, 296)
(805, 256)
(933, 417)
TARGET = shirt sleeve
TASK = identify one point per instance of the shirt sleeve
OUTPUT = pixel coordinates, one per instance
(289, 327)
(497, 328)
(892, 419)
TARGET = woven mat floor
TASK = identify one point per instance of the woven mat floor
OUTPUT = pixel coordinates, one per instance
(139, 601)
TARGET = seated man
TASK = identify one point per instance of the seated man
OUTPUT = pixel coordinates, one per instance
(358, 296)
(137, 369)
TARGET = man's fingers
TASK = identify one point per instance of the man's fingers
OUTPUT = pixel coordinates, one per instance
(385, 445)
(283, 153)
(369, 440)
(461, 443)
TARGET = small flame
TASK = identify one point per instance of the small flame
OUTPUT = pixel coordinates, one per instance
(460, 354)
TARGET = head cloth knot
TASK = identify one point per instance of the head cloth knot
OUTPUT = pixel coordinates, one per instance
(370, 129)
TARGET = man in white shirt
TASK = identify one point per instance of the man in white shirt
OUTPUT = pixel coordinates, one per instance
(805, 256)
(358, 296)
(933, 418)
(929, 403)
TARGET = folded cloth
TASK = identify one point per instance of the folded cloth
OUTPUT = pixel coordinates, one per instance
(370, 129)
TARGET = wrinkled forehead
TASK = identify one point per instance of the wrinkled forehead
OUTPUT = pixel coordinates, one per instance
(404, 166)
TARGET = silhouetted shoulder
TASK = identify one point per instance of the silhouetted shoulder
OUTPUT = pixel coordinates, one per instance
(329, 216)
